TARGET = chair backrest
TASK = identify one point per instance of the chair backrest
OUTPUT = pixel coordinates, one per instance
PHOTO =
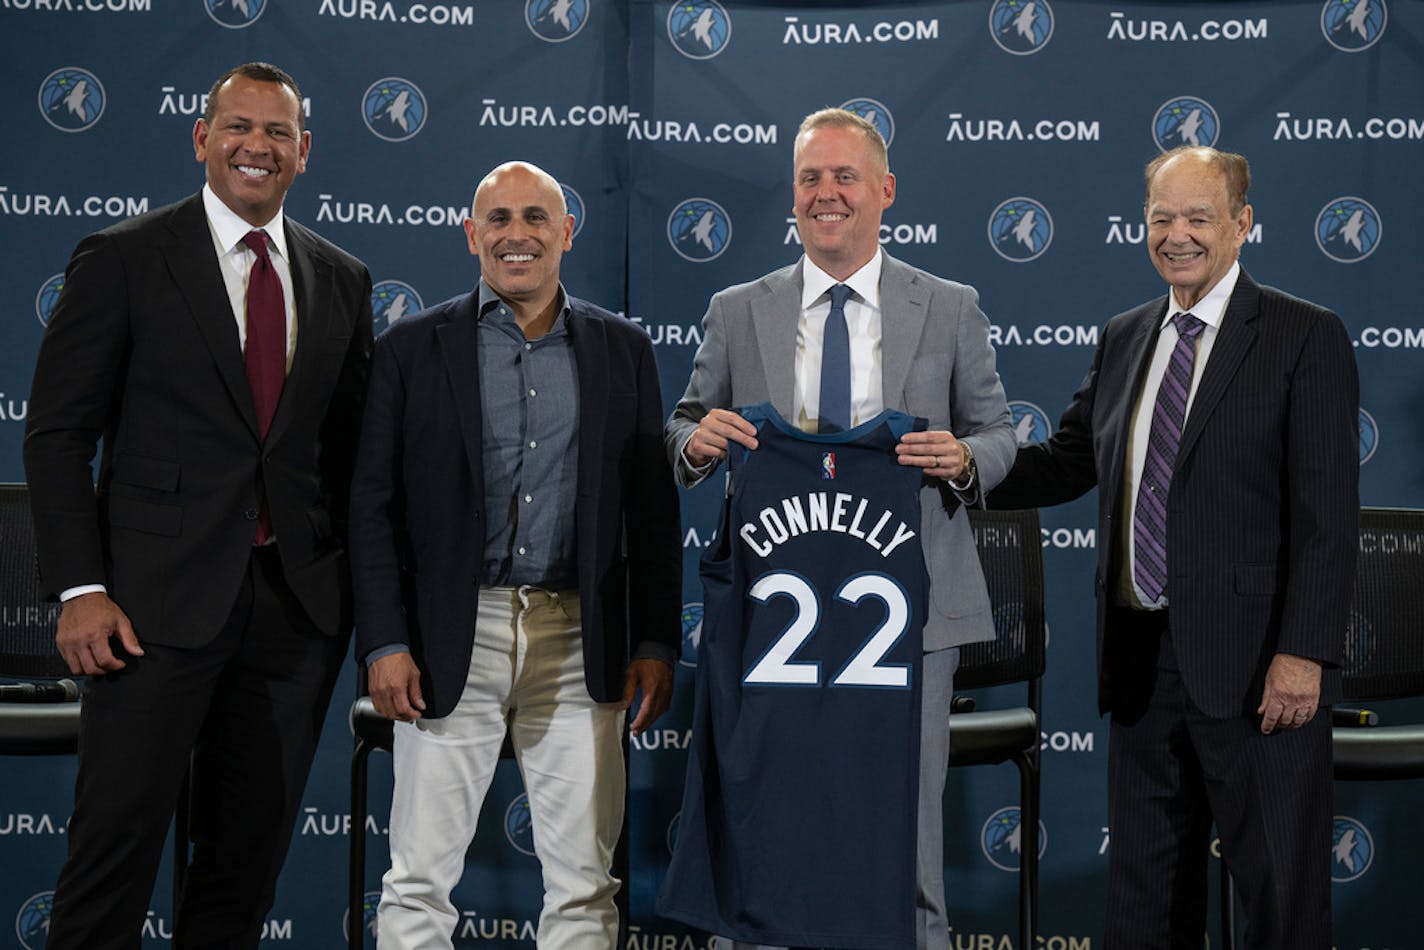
(26, 621)
(1384, 644)
(1011, 553)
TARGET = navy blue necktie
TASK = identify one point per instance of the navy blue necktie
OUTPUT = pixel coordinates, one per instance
(835, 365)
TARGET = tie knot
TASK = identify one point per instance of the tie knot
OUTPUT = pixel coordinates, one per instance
(257, 240)
(840, 293)
(1188, 326)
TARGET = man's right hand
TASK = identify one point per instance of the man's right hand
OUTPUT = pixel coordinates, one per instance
(394, 684)
(86, 624)
(710, 438)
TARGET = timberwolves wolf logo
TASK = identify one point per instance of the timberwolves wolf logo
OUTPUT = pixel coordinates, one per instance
(699, 29)
(1352, 850)
(1369, 436)
(1021, 27)
(573, 201)
(519, 825)
(699, 230)
(1002, 839)
(691, 633)
(394, 109)
(235, 14)
(554, 21)
(1348, 230)
(72, 99)
(48, 297)
(1020, 230)
(391, 300)
(1353, 25)
(1185, 120)
(369, 902)
(876, 114)
(1030, 422)
(32, 922)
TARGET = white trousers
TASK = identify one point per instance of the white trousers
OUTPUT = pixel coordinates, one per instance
(526, 671)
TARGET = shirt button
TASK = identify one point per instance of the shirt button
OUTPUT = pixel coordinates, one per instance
(250, 514)
(529, 346)
(521, 550)
(533, 445)
(528, 499)
(533, 392)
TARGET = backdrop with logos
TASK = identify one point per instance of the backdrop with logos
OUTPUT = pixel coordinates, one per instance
(1018, 130)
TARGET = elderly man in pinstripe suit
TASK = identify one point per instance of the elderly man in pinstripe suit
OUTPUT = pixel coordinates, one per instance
(1219, 423)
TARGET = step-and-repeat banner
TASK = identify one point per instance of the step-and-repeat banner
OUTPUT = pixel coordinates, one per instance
(1018, 130)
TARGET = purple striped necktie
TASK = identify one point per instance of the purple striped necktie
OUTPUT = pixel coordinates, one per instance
(1169, 413)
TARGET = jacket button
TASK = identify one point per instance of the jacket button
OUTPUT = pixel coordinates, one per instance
(250, 514)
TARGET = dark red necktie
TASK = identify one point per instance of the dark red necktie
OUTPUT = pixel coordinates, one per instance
(266, 347)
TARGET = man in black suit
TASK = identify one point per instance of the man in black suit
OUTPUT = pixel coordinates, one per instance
(517, 562)
(1223, 442)
(220, 352)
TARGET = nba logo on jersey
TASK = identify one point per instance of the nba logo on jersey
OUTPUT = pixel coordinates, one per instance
(828, 466)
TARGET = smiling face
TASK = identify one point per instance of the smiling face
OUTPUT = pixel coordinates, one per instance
(1192, 233)
(254, 146)
(520, 229)
(840, 194)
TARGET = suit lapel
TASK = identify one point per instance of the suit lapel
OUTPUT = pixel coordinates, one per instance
(774, 319)
(903, 311)
(193, 266)
(1139, 345)
(312, 278)
(459, 346)
(1233, 342)
(590, 342)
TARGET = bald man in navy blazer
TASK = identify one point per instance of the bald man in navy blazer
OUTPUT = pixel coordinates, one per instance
(1218, 685)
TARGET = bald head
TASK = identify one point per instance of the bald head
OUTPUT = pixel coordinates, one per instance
(526, 172)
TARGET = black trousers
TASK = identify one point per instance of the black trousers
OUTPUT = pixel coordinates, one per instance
(247, 709)
(1172, 770)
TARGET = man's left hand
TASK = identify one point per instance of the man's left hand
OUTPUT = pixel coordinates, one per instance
(1292, 693)
(653, 678)
(937, 452)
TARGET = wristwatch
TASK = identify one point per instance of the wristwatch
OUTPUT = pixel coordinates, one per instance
(970, 474)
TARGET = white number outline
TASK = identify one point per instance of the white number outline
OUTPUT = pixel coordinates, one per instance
(864, 670)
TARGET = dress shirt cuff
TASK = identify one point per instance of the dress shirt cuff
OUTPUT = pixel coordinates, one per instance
(381, 652)
(650, 650)
(73, 592)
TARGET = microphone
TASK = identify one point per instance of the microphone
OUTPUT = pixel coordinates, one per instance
(63, 691)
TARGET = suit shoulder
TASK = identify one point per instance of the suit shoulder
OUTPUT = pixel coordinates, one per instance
(1275, 300)
(423, 322)
(142, 227)
(762, 285)
(618, 327)
(1120, 321)
(918, 275)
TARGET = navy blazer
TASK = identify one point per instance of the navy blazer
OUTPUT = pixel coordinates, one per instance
(1263, 507)
(417, 507)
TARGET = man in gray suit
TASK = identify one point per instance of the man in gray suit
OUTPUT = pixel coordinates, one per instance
(918, 344)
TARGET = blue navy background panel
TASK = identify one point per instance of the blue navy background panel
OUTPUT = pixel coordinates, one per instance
(798, 820)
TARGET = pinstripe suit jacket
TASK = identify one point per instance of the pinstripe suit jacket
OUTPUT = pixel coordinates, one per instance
(1264, 500)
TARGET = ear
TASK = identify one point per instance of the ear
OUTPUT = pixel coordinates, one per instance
(1243, 224)
(471, 237)
(200, 140)
(887, 190)
(568, 232)
(303, 150)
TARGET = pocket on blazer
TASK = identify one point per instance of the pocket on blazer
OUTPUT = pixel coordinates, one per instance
(145, 471)
(1254, 580)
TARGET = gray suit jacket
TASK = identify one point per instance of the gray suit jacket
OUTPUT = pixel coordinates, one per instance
(936, 362)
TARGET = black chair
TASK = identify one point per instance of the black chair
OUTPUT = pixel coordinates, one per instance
(1384, 659)
(45, 722)
(1012, 557)
(373, 731)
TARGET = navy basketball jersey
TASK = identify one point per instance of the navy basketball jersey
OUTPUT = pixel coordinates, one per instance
(798, 816)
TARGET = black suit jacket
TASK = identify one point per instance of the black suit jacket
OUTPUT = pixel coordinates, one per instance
(142, 352)
(1264, 500)
(417, 507)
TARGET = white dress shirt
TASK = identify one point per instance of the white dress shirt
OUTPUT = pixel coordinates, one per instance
(1210, 310)
(862, 316)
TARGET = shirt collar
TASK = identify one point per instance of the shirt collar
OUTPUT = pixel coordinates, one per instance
(865, 282)
(231, 229)
(487, 300)
(1211, 309)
